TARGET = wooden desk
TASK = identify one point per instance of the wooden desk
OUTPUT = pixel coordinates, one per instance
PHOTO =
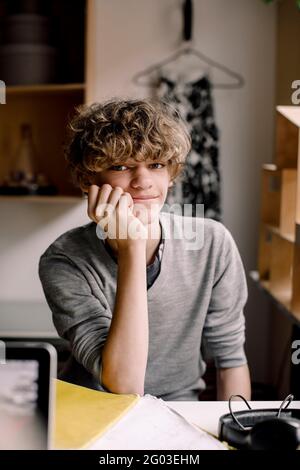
(84, 417)
(206, 414)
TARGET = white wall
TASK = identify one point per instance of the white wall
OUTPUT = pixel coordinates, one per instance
(128, 36)
(27, 229)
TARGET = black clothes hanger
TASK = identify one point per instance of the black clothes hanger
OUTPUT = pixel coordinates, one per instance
(142, 78)
(187, 20)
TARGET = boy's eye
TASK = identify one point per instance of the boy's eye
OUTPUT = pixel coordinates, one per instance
(125, 167)
(118, 167)
(160, 165)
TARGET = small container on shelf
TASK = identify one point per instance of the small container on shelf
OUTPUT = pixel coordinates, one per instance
(43, 186)
(18, 185)
(25, 157)
(27, 55)
(27, 64)
(26, 28)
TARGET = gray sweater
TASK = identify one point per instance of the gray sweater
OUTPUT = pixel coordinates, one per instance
(195, 303)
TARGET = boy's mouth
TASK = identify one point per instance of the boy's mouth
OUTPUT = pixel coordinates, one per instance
(144, 198)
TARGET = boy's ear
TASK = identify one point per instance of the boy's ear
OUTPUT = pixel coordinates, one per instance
(171, 184)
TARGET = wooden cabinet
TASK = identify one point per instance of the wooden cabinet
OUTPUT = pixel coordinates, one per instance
(279, 198)
(279, 245)
(48, 107)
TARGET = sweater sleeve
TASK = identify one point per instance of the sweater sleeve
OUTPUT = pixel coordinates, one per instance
(224, 327)
(78, 315)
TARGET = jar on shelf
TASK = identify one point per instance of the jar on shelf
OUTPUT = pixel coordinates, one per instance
(24, 179)
(24, 163)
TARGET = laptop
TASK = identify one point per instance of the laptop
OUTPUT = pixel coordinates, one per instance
(27, 372)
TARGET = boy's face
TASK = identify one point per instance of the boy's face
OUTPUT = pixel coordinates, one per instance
(147, 182)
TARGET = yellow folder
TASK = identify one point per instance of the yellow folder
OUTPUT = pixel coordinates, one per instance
(83, 415)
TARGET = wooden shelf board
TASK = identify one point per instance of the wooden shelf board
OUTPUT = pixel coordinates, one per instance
(282, 298)
(289, 237)
(45, 88)
(47, 199)
(292, 113)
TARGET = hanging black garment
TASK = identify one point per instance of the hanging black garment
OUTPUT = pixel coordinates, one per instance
(200, 179)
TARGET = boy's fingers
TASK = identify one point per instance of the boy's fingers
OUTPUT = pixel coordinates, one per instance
(92, 200)
(114, 198)
(101, 203)
(108, 201)
(123, 203)
(130, 200)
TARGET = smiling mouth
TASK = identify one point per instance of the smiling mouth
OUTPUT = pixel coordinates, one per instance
(144, 198)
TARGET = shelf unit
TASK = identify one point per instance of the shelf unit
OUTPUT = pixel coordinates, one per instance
(48, 107)
(53, 88)
(44, 199)
(279, 198)
(279, 242)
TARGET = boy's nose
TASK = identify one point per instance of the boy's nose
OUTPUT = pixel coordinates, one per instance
(141, 179)
(143, 183)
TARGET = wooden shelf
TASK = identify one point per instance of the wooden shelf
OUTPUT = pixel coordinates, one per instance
(279, 197)
(48, 107)
(279, 245)
(48, 115)
(296, 274)
(45, 199)
(264, 253)
(287, 136)
(289, 237)
(47, 88)
(281, 262)
(282, 298)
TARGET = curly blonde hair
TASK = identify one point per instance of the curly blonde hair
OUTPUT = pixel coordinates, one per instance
(105, 133)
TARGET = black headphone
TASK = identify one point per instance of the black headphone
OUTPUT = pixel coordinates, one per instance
(263, 429)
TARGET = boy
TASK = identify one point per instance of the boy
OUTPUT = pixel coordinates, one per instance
(135, 304)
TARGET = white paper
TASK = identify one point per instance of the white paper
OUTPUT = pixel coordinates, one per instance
(152, 424)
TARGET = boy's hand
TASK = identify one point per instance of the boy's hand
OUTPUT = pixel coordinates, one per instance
(114, 210)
